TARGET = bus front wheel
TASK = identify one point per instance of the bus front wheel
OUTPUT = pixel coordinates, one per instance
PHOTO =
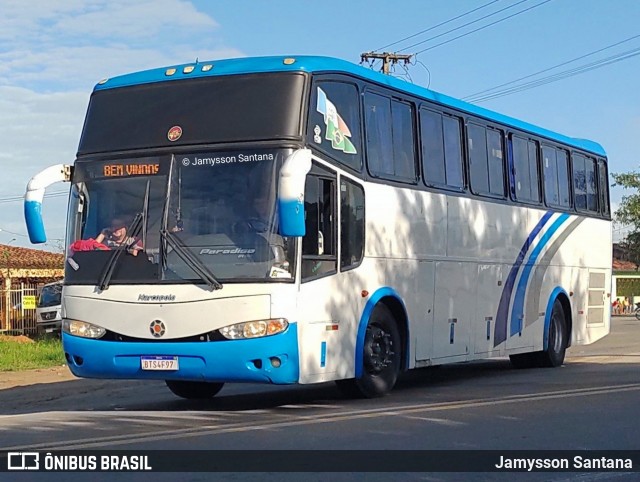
(382, 351)
(194, 390)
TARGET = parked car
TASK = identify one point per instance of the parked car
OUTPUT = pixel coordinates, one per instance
(48, 317)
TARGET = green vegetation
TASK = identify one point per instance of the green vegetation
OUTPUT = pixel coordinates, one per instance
(628, 287)
(628, 213)
(22, 353)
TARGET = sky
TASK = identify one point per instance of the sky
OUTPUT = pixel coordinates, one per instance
(53, 52)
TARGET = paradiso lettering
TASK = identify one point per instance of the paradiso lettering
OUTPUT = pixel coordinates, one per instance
(239, 251)
(121, 170)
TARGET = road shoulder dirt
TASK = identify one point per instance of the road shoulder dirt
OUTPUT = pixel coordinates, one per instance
(31, 377)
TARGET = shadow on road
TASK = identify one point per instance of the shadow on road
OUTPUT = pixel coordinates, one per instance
(436, 384)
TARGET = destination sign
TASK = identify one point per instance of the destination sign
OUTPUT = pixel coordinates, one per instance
(125, 170)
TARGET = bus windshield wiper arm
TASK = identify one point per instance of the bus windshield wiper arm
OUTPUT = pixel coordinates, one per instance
(190, 260)
(140, 221)
(107, 273)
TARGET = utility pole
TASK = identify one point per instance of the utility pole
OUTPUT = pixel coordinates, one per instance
(387, 59)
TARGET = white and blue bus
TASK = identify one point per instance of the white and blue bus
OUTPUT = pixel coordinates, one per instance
(303, 220)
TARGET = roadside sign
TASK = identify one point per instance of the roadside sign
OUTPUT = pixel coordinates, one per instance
(29, 302)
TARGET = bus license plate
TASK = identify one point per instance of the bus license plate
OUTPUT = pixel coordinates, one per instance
(159, 362)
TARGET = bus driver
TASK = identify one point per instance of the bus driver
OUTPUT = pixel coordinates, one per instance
(116, 236)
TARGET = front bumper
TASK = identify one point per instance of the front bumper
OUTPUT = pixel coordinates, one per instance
(220, 361)
(49, 326)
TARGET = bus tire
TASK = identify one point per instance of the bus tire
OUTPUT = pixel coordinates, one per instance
(382, 352)
(558, 339)
(194, 390)
(553, 356)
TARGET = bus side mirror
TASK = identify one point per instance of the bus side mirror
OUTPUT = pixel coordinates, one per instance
(33, 199)
(291, 192)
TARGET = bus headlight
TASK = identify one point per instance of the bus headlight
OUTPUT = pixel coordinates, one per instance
(254, 329)
(82, 329)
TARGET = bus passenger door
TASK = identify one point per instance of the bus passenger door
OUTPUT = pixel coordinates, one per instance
(321, 309)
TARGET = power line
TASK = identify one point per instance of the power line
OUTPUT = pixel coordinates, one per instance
(436, 26)
(465, 25)
(55, 194)
(476, 94)
(561, 75)
(483, 27)
(21, 196)
(13, 233)
(2, 230)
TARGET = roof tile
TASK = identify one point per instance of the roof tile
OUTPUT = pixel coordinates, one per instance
(27, 258)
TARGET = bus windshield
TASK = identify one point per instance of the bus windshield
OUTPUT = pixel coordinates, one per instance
(174, 217)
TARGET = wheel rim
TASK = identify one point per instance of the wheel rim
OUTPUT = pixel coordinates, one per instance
(556, 335)
(378, 349)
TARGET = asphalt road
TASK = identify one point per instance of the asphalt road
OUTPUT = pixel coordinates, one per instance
(590, 403)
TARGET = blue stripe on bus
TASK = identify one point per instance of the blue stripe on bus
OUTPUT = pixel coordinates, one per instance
(364, 321)
(500, 329)
(518, 303)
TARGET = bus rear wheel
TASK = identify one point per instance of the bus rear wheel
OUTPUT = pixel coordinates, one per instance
(194, 390)
(558, 340)
(381, 358)
(553, 356)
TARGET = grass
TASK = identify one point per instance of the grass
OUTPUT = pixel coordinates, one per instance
(21, 353)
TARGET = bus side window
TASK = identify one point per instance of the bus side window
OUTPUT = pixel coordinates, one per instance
(441, 149)
(379, 138)
(603, 191)
(334, 122)
(525, 164)
(579, 182)
(564, 192)
(592, 185)
(351, 224)
(486, 160)
(477, 141)
(318, 244)
(550, 171)
(390, 138)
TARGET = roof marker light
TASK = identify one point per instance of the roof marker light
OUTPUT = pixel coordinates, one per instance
(188, 69)
(288, 61)
(170, 72)
(207, 67)
(103, 81)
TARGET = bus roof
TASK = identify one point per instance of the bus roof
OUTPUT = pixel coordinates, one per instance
(315, 64)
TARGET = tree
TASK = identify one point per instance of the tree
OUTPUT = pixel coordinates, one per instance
(631, 246)
(628, 213)
(629, 210)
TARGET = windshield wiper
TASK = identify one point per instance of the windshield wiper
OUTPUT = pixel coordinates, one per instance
(140, 221)
(168, 238)
(190, 260)
(107, 273)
